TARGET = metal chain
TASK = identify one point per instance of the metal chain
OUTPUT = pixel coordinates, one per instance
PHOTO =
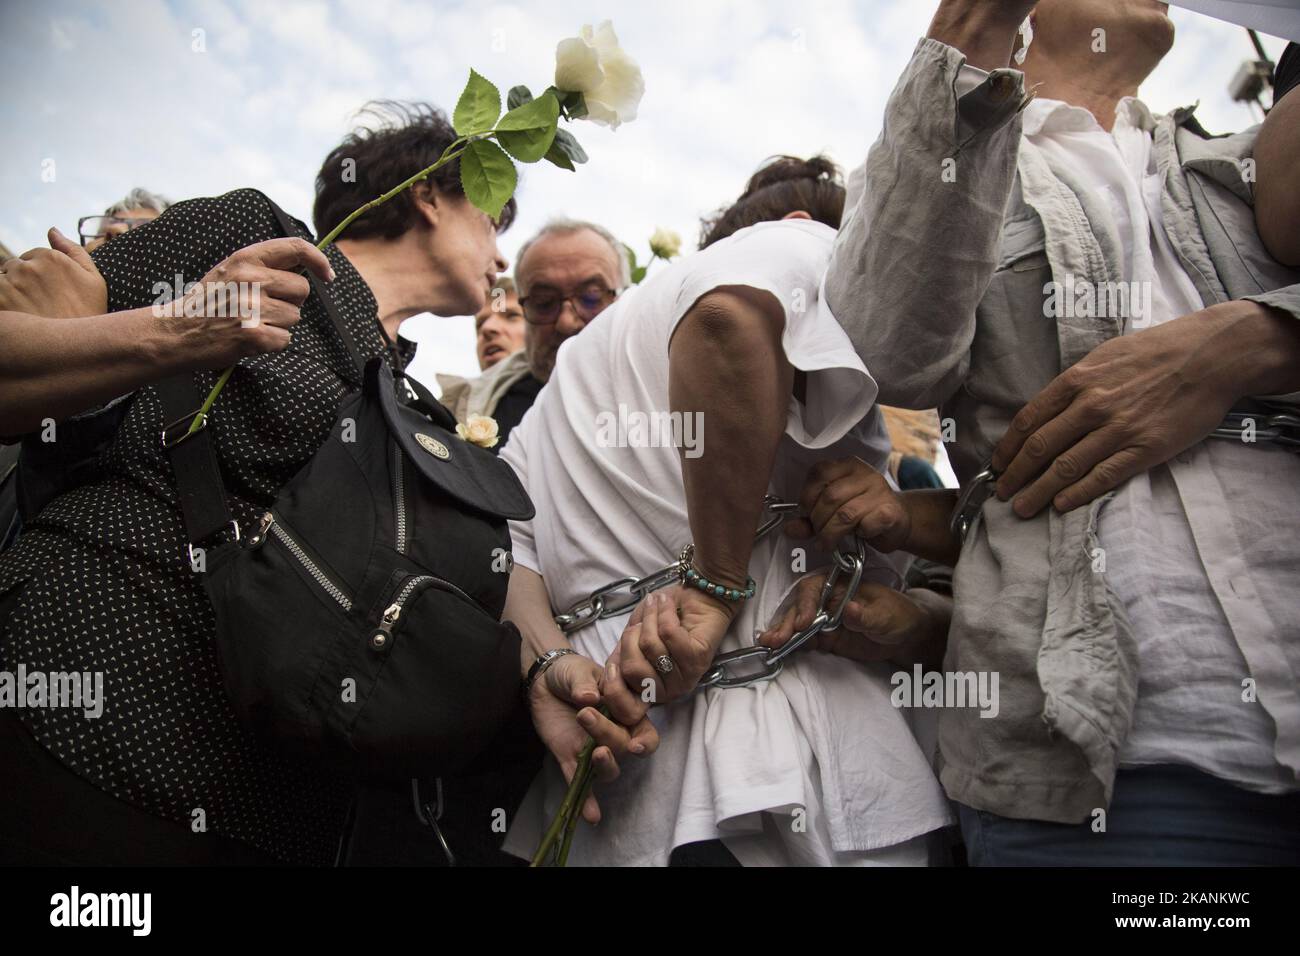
(606, 602)
(771, 660)
(1280, 429)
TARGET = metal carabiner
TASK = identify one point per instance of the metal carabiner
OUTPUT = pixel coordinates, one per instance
(854, 565)
(779, 512)
(826, 620)
(803, 637)
(972, 501)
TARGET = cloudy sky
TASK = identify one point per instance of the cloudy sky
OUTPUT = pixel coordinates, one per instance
(115, 95)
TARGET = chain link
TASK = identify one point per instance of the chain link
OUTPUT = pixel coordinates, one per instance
(771, 660)
(1280, 429)
(607, 601)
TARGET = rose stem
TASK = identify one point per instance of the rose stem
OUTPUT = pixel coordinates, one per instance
(446, 157)
(574, 797)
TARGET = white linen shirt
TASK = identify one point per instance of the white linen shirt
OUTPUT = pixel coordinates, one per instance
(1178, 538)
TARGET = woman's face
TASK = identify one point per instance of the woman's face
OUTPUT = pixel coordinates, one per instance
(463, 247)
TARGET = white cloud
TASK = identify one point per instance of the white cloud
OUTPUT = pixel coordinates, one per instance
(116, 95)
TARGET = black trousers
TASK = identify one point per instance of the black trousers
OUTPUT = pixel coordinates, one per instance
(704, 853)
(49, 816)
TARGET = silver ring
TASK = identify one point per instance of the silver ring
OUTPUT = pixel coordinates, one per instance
(664, 664)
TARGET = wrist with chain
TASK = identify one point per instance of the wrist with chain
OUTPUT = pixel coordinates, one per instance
(697, 575)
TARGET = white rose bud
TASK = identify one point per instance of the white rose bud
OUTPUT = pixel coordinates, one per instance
(594, 65)
(665, 243)
(479, 430)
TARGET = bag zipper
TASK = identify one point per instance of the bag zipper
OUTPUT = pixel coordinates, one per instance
(399, 496)
(380, 638)
(274, 525)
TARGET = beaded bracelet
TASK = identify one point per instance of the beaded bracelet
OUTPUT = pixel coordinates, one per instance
(693, 578)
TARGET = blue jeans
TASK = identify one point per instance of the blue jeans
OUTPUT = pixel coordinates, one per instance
(1159, 816)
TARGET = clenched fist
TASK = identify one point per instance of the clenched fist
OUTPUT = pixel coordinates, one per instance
(59, 282)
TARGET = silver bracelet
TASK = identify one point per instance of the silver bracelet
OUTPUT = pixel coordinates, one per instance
(542, 663)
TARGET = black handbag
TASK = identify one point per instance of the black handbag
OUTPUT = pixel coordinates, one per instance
(359, 621)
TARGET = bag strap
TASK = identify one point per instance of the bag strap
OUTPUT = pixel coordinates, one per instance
(198, 478)
(199, 487)
(318, 287)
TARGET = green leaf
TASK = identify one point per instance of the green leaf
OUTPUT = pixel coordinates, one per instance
(527, 131)
(527, 145)
(638, 274)
(518, 96)
(566, 151)
(478, 108)
(487, 176)
(631, 255)
(535, 114)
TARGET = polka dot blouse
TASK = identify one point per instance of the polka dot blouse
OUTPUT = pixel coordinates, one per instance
(106, 585)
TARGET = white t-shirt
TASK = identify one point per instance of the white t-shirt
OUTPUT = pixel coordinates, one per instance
(814, 767)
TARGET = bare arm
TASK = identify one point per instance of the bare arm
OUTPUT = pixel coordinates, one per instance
(529, 608)
(53, 368)
(984, 30)
(1277, 185)
(563, 699)
(726, 363)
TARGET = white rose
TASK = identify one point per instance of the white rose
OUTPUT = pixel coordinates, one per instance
(594, 65)
(479, 430)
(665, 243)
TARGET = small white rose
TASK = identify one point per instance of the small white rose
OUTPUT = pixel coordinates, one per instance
(609, 80)
(665, 243)
(480, 430)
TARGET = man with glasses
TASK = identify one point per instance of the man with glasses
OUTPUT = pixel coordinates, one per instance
(566, 275)
(139, 206)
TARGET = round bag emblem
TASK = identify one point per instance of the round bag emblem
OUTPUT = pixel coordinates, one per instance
(434, 447)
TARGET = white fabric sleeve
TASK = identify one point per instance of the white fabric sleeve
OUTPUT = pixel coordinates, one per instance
(523, 543)
(787, 259)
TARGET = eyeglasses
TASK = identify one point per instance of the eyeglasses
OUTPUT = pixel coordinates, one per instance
(544, 306)
(96, 227)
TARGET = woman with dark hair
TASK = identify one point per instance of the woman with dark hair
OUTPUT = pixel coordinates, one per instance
(101, 582)
(783, 187)
(719, 380)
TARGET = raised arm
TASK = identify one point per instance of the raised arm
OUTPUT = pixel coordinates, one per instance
(1277, 185)
(54, 367)
(917, 248)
